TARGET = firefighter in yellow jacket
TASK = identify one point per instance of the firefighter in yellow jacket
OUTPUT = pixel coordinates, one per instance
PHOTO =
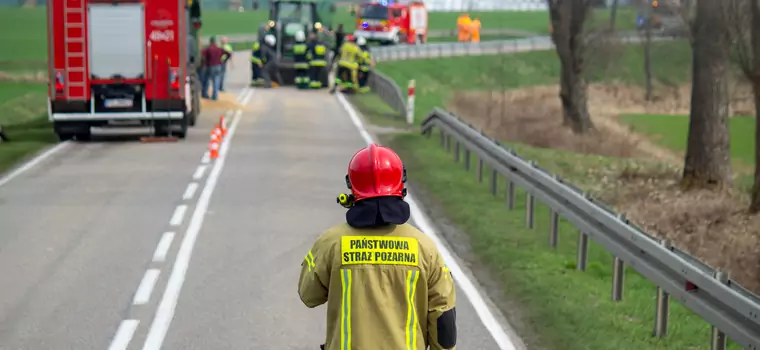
(385, 283)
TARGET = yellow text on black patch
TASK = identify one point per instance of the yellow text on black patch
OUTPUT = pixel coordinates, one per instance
(360, 250)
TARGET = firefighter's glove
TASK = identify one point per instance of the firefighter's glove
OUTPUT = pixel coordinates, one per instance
(346, 200)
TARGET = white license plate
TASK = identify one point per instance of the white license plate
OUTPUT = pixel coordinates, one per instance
(118, 103)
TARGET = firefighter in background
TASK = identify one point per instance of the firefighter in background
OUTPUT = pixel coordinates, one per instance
(475, 30)
(463, 27)
(317, 62)
(348, 66)
(257, 78)
(226, 60)
(301, 60)
(365, 64)
(385, 283)
(271, 63)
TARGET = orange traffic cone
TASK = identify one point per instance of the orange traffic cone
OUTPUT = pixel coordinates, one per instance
(223, 125)
(218, 131)
(213, 146)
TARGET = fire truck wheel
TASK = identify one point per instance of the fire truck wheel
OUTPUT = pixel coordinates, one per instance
(65, 136)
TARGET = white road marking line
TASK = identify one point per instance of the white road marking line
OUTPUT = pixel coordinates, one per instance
(178, 216)
(190, 191)
(124, 334)
(162, 249)
(199, 172)
(463, 281)
(33, 162)
(146, 287)
(206, 158)
(168, 304)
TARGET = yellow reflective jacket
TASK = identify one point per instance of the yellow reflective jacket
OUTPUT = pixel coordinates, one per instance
(386, 288)
(350, 53)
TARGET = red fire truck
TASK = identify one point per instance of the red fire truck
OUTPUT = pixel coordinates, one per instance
(122, 63)
(392, 23)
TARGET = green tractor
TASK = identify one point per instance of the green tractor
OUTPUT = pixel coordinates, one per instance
(287, 17)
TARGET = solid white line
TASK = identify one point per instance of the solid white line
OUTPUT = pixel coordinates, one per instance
(162, 249)
(478, 302)
(33, 162)
(190, 190)
(146, 286)
(178, 216)
(124, 335)
(199, 172)
(166, 308)
(206, 158)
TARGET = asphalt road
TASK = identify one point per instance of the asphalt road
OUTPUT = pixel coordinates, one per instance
(122, 245)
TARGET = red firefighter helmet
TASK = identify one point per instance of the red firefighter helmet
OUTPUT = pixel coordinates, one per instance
(376, 171)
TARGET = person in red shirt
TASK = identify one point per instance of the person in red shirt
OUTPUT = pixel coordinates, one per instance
(212, 58)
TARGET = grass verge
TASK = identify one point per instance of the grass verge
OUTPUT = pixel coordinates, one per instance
(23, 119)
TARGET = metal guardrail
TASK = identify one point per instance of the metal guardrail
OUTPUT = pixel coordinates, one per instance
(732, 310)
(390, 92)
(243, 38)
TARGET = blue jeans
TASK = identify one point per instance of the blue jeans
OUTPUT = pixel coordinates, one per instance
(212, 75)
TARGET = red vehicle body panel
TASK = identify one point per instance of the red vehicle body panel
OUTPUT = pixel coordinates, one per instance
(165, 53)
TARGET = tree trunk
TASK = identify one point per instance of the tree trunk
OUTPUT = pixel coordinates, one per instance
(648, 59)
(708, 163)
(613, 15)
(567, 19)
(754, 205)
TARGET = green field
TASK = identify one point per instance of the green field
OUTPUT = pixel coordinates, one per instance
(29, 45)
(672, 131)
(672, 66)
(562, 308)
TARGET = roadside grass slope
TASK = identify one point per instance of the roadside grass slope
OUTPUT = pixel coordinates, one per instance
(557, 306)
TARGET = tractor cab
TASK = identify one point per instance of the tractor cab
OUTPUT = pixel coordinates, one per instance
(290, 17)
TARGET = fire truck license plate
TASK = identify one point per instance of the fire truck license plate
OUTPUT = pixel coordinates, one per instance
(118, 103)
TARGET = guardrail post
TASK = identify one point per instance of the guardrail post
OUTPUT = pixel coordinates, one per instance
(510, 194)
(581, 258)
(456, 151)
(443, 138)
(448, 143)
(717, 337)
(480, 170)
(466, 159)
(530, 204)
(410, 103)
(494, 181)
(662, 306)
(618, 277)
(554, 230)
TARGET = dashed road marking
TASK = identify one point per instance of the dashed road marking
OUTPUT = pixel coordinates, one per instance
(124, 335)
(199, 172)
(190, 191)
(168, 303)
(146, 286)
(162, 249)
(179, 215)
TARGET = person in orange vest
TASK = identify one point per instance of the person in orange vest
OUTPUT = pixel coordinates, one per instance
(463, 30)
(475, 30)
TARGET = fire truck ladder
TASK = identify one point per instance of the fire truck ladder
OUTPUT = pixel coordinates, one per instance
(74, 17)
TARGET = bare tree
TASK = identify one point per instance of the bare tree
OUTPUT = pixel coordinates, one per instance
(707, 163)
(647, 46)
(568, 19)
(613, 14)
(744, 17)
